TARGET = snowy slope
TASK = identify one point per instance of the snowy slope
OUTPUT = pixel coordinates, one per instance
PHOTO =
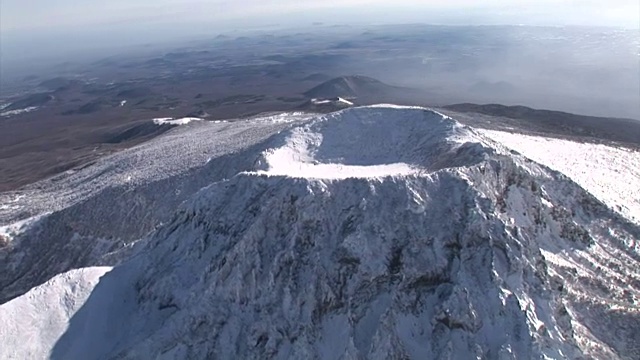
(612, 174)
(33, 323)
(92, 216)
(417, 238)
(347, 145)
(18, 111)
(172, 121)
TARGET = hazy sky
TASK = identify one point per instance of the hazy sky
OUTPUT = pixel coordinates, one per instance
(46, 15)
(31, 30)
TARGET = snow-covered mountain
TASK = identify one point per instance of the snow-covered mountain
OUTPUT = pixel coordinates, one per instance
(33, 323)
(374, 232)
(92, 217)
(350, 87)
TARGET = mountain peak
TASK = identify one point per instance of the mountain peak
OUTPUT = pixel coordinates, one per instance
(374, 141)
(349, 87)
(373, 232)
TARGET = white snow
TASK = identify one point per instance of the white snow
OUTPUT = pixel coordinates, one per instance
(398, 107)
(299, 268)
(336, 171)
(33, 322)
(430, 241)
(10, 202)
(296, 159)
(350, 146)
(612, 174)
(281, 118)
(346, 102)
(160, 121)
(18, 111)
(330, 101)
(10, 231)
(172, 121)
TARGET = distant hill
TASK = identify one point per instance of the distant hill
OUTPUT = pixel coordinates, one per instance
(560, 123)
(58, 83)
(134, 93)
(30, 101)
(317, 77)
(139, 131)
(350, 87)
(325, 105)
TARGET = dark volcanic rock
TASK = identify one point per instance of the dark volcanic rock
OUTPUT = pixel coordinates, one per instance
(58, 83)
(350, 87)
(137, 132)
(30, 100)
(561, 123)
(134, 93)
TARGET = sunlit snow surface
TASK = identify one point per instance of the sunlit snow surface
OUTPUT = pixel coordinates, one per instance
(297, 159)
(14, 229)
(349, 145)
(329, 101)
(172, 121)
(366, 233)
(44, 313)
(612, 174)
(18, 111)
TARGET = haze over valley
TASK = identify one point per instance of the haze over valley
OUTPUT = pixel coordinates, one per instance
(319, 180)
